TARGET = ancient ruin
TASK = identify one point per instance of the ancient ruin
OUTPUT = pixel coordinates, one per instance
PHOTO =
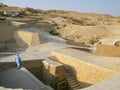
(60, 50)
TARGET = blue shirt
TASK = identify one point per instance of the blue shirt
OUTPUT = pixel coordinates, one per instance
(18, 59)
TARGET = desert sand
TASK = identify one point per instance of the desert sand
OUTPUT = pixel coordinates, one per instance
(35, 33)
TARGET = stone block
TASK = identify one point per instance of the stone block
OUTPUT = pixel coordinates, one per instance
(26, 38)
(52, 73)
(107, 50)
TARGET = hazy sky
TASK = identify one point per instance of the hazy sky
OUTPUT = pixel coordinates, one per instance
(96, 6)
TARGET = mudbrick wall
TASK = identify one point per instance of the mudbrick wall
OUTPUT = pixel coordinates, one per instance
(86, 73)
(107, 50)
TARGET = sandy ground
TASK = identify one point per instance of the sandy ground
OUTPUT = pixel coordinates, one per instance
(55, 43)
(50, 38)
(43, 50)
(111, 63)
(38, 52)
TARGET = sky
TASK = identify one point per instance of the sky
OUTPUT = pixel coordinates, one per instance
(111, 7)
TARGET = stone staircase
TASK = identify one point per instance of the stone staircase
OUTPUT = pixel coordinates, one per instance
(72, 83)
(53, 58)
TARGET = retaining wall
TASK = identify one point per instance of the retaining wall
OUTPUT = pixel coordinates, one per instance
(86, 73)
(34, 66)
(107, 50)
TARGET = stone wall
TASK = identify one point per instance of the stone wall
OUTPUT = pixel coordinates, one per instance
(86, 73)
(25, 38)
(6, 65)
(107, 50)
(34, 66)
(53, 73)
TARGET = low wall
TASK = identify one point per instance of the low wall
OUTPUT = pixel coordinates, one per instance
(107, 50)
(34, 66)
(86, 73)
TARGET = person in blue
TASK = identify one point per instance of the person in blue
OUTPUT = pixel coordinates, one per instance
(18, 61)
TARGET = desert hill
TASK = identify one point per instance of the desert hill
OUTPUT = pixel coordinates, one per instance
(78, 15)
(85, 47)
(6, 8)
(75, 27)
(83, 17)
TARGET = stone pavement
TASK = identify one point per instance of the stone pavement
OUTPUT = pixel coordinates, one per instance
(20, 79)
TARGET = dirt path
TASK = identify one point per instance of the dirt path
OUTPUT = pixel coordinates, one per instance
(41, 51)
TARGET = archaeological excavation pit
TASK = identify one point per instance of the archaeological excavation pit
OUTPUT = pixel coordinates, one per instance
(66, 69)
(87, 69)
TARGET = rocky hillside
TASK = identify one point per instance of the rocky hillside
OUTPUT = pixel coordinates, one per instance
(85, 28)
(87, 18)
(78, 15)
